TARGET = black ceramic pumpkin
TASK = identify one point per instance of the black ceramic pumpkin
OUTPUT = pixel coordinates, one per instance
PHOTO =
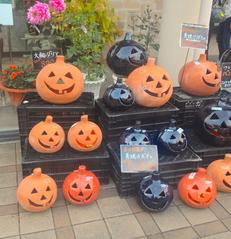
(154, 193)
(172, 138)
(214, 124)
(118, 96)
(135, 136)
(125, 56)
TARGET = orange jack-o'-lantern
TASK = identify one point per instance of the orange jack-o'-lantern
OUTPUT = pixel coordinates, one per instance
(197, 189)
(37, 192)
(47, 136)
(84, 135)
(81, 187)
(150, 84)
(220, 172)
(201, 78)
(59, 82)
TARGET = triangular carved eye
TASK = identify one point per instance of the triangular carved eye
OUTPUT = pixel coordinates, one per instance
(208, 72)
(158, 85)
(224, 125)
(134, 51)
(172, 137)
(162, 194)
(74, 185)
(195, 187)
(69, 75)
(164, 77)
(51, 74)
(145, 139)
(133, 139)
(88, 186)
(122, 92)
(93, 132)
(44, 133)
(48, 188)
(34, 191)
(56, 133)
(228, 174)
(148, 191)
(80, 132)
(214, 117)
(149, 79)
(208, 190)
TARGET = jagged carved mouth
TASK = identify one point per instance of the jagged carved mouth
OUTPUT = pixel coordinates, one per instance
(156, 94)
(87, 146)
(77, 200)
(40, 205)
(195, 201)
(60, 92)
(226, 184)
(207, 83)
(47, 146)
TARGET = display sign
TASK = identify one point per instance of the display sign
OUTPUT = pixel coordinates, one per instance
(44, 57)
(194, 36)
(226, 75)
(6, 13)
(140, 158)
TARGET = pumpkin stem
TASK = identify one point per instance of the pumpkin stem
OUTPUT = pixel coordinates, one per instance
(128, 36)
(49, 119)
(155, 175)
(151, 61)
(201, 171)
(59, 59)
(202, 58)
(119, 80)
(84, 118)
(227, 157)
(37, 171)
(82, 168)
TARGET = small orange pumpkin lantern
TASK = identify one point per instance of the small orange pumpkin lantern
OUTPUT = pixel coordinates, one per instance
(81, 187)
(84, 135)
(197, 189)
(220, 172)
(150, 84)
(37, 192)
(200, 78)
(47, 136)
(59, 82)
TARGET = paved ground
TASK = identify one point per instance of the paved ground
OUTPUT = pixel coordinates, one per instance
(109, 217)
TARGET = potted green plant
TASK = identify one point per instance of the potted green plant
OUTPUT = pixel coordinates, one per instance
(17, 81)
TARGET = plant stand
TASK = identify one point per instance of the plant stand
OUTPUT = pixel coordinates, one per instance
(94, 86)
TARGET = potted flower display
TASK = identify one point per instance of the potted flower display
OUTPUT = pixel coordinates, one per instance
(17, 81)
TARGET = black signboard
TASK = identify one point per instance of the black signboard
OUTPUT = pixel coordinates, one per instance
(44, 57)
(226, 75)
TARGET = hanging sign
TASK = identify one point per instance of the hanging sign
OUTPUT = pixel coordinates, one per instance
(140, 158)
(194, 36)
(226, 75)
(6, 13)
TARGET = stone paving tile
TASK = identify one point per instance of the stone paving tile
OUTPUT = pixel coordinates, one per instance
(18, 153)
(227, 222)
(210, 228)
(176, 200)
(197, 216)
(15, 237)
(221, 195)
(225, 202)
(114, 206)
(65, 233)
(40, 235)
(124, 227)
(170, 219)
(35, 222)
(60, 200)
(8, 209)
(9, 226)
(224, 235)
(84, 214)
(108, 192)
(147, 223)
(8, 180)
(156, 236)
(219, 211)
(61, 217)
(7, 196)
(185, 233)
(8, 169)
(134, 206)
(7, 154)
(19, 177)
(92, 230)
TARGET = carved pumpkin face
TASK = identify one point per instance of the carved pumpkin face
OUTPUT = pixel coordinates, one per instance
(37, 192)
(197, 189)
(47, 136)
(59, 82)
(220, 172)
(81, 187)
(155, 195)
(150, 84)
(84, 135)
(118, 96)
(201, 78)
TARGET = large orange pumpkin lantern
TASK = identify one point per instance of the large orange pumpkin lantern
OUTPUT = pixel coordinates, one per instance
(197, 190)
(150, 84)
(81, 187)
(84, 135)
(47, 136)
(220, 172)
(200, 78)
(59, 82)
(37, 192)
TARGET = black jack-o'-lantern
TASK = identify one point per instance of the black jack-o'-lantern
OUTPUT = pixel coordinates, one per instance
(118, 96)
(214, 124)
(125, 56)
(172, 138)
(154, 193)
(135, 136)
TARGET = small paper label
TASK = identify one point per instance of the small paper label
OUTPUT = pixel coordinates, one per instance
(191, 175)
(180, 130)
(216, 108)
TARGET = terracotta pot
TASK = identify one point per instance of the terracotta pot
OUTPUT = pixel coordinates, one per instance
(16, 95)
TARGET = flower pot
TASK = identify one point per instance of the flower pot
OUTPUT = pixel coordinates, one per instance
(93, 86)
(16, 95)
